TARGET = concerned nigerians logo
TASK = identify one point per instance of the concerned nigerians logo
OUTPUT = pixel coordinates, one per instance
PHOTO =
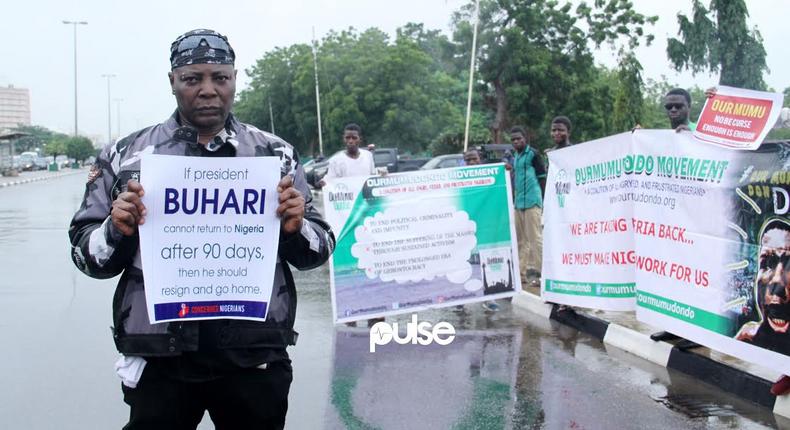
(341, 197)
(562, 187)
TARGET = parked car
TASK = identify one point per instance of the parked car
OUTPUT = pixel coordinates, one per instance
(494, 152)
(316, 170)
(62, 161)
(394, 162)
(42, 163)
(444, 161)
(27, 161)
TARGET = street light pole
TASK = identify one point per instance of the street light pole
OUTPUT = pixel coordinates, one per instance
(109, 108)
(317, 98)
(118, 114)
(75, 24)
(471, 75)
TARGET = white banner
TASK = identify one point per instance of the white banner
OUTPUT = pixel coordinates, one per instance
(709, 231)
(587, 240)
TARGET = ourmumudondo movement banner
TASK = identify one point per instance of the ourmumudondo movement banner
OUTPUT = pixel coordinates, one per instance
(711, 237)
(419, 240)
(587, 241)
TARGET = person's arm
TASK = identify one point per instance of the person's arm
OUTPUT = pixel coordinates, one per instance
(103, 232)
(306, 241)
(331, 171)
(540, 172)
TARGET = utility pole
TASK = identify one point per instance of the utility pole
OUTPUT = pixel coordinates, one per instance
(75, 24)
(317, 98)
(271, 115)
(471, 75)
(109, 107)
(118, 115)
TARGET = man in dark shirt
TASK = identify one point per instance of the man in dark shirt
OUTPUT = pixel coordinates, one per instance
(237, 370)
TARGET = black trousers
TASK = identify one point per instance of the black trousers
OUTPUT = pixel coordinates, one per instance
(245, 399)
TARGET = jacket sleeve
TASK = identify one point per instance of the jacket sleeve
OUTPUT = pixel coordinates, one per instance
(98, 249)
(312, 246)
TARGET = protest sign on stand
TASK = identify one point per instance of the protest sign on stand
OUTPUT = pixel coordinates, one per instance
(209, 243)
(419, 240)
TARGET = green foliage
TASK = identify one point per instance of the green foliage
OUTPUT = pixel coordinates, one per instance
(38, 137)
(79, 148)
(56, 146)
(628, 101)
(726, 46)
(535, 62)
(399, 91)
(778, 134)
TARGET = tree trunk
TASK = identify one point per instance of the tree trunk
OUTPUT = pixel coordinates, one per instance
(500, 119)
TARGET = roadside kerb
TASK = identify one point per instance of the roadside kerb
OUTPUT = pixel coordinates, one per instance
(11, 181)
(730, 379)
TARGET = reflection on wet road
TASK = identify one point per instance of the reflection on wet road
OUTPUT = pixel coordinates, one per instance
(504, 370)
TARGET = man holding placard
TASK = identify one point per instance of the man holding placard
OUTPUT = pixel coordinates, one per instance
(225, 357)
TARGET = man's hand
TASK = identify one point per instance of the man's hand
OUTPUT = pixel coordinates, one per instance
(291, 208)
(127, 210)
(682, 127)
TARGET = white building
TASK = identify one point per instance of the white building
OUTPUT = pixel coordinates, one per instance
(14, 107)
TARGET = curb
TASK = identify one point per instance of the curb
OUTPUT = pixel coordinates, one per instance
(727, 378)
(38, 179)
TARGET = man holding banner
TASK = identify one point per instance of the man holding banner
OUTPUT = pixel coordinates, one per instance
(237, 369)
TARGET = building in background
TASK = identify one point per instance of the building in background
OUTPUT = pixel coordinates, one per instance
(14, 107)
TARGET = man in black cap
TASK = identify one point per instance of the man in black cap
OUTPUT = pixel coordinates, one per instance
(172, 373)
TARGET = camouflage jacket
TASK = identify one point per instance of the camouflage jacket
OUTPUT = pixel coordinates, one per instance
(100, 251)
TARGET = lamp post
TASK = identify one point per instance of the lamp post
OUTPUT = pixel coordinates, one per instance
(471, 75)
(75, 24)
(109, 107)
(118, 115)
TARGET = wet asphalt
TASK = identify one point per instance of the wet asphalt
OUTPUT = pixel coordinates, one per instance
(505, 370)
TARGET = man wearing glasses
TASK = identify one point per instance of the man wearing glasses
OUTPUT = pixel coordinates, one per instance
(677, 103)
(172, 373)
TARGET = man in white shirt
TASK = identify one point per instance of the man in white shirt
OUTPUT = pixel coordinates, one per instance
(352, 162)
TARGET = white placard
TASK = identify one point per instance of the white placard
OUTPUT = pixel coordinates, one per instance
(210, 238)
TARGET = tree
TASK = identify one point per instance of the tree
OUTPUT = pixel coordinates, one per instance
(38, 137)
(399, 90)
(628, 100)
(56, 146)
(535, 61)
(79, 148)
(725, 45)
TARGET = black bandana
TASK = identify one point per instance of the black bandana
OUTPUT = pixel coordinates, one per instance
(201, 47)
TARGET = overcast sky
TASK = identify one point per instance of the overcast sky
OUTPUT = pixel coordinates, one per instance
(132, 40)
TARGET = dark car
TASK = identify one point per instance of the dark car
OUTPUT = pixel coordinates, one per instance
(494, 152)
(444, 161)
(316, 169)
(391, 159)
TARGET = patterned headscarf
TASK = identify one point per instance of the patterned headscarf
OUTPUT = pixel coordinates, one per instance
(201, 46)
